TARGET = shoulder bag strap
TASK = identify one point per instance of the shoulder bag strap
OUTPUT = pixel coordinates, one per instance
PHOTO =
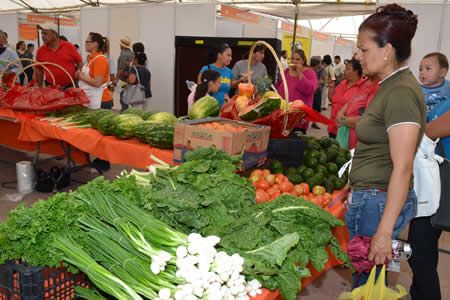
(137, 74)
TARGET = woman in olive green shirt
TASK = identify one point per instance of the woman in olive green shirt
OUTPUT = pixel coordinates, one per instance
(389, 132)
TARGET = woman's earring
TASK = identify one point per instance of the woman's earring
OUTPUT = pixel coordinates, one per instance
(385, 58)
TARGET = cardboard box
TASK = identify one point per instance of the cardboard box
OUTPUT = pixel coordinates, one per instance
(253, 141)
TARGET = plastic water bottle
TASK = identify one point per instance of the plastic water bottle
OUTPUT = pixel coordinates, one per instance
(191, 85)
(400, 251)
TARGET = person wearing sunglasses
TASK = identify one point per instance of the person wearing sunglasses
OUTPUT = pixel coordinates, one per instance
(94, 76)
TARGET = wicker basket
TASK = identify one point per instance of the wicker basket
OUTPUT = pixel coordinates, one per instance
(281, 121)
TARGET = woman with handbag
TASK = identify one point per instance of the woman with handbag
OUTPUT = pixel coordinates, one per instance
(138, 91)
(93, 78)
(423, 233)
(389, 132)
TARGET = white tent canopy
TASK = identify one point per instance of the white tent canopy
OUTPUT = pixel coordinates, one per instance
(282, 8)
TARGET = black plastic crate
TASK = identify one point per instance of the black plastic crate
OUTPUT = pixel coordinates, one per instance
(289, 151)
(21, 282)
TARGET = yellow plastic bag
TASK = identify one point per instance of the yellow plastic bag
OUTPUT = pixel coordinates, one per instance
(375, 289)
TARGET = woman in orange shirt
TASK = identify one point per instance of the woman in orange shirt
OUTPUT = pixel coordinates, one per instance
(94, 76)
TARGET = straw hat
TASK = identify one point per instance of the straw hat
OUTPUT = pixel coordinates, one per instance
(125, 42)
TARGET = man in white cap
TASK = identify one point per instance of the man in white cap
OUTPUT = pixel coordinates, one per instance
(7, 55)
(58, 52)
(123, 63)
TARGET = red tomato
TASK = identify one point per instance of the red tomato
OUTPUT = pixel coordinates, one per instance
(286, 187)
(265, 172)
(276, 187)
(279, 178)
(262, 184)
(272, 191)
(261, 196)
(270, 179)
(318, 200)
(305, 187)
(275, 195)
(299, 189)
(257, 172)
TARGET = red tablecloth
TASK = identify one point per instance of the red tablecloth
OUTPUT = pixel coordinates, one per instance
(31, 130)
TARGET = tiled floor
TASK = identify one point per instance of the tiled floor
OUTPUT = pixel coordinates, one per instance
(328, 286)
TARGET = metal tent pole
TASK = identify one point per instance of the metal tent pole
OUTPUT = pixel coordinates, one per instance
(296, 3)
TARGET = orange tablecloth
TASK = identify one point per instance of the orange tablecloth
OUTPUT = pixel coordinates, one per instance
(337, 208)
(126, 152)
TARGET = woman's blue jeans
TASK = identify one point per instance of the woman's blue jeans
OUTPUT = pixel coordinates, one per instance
(364, 214)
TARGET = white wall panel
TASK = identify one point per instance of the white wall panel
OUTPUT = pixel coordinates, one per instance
(93, 19)
(266, 28)
(9, 23)
(321, 47)
(124, 21)
(196, 19)
(157, 28)
(229, 28)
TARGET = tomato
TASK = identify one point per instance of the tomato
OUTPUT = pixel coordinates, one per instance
(279, 178)
(261, 196)
(276, 187)
(318, 190)
(265, 172)
(286, 187)
(327, 197)
(318, 200)
(270, 179)
(262, 184)
(253, 178)
(257, 172)
(301, 189)
(305, 187)
(275, 195)
(272, 191)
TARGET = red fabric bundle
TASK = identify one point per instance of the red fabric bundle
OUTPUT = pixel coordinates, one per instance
(276, 118)
(358, 251)
(34, 98)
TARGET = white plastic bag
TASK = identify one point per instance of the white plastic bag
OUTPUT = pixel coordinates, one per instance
(427, 182)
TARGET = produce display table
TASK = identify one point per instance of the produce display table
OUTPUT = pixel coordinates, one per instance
(22, 131)
(338, 209)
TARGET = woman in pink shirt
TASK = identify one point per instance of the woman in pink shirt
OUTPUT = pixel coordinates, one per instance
(301, 82)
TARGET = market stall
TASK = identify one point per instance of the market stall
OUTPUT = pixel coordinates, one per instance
(23, 131)
(224, 222)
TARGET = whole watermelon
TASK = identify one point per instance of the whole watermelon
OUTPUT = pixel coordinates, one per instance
(124, 125)
(204, 107)
(142, 130)
(135, 111)
(163, 117)
(105, 124)
(148, 114)
(161, 136)
(96, 115)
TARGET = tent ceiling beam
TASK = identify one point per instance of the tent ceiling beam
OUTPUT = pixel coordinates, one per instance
(24, 5)
(292, 3)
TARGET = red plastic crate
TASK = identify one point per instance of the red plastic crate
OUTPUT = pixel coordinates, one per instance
(21, 282)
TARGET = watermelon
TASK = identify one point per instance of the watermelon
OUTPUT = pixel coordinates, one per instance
(163, 117)
(204, 107)
(124, 125)
(142, 130)
(161, 136)
(135, 111)
(105, 124)
(261, 109)
(148, 114)
(95, 116)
